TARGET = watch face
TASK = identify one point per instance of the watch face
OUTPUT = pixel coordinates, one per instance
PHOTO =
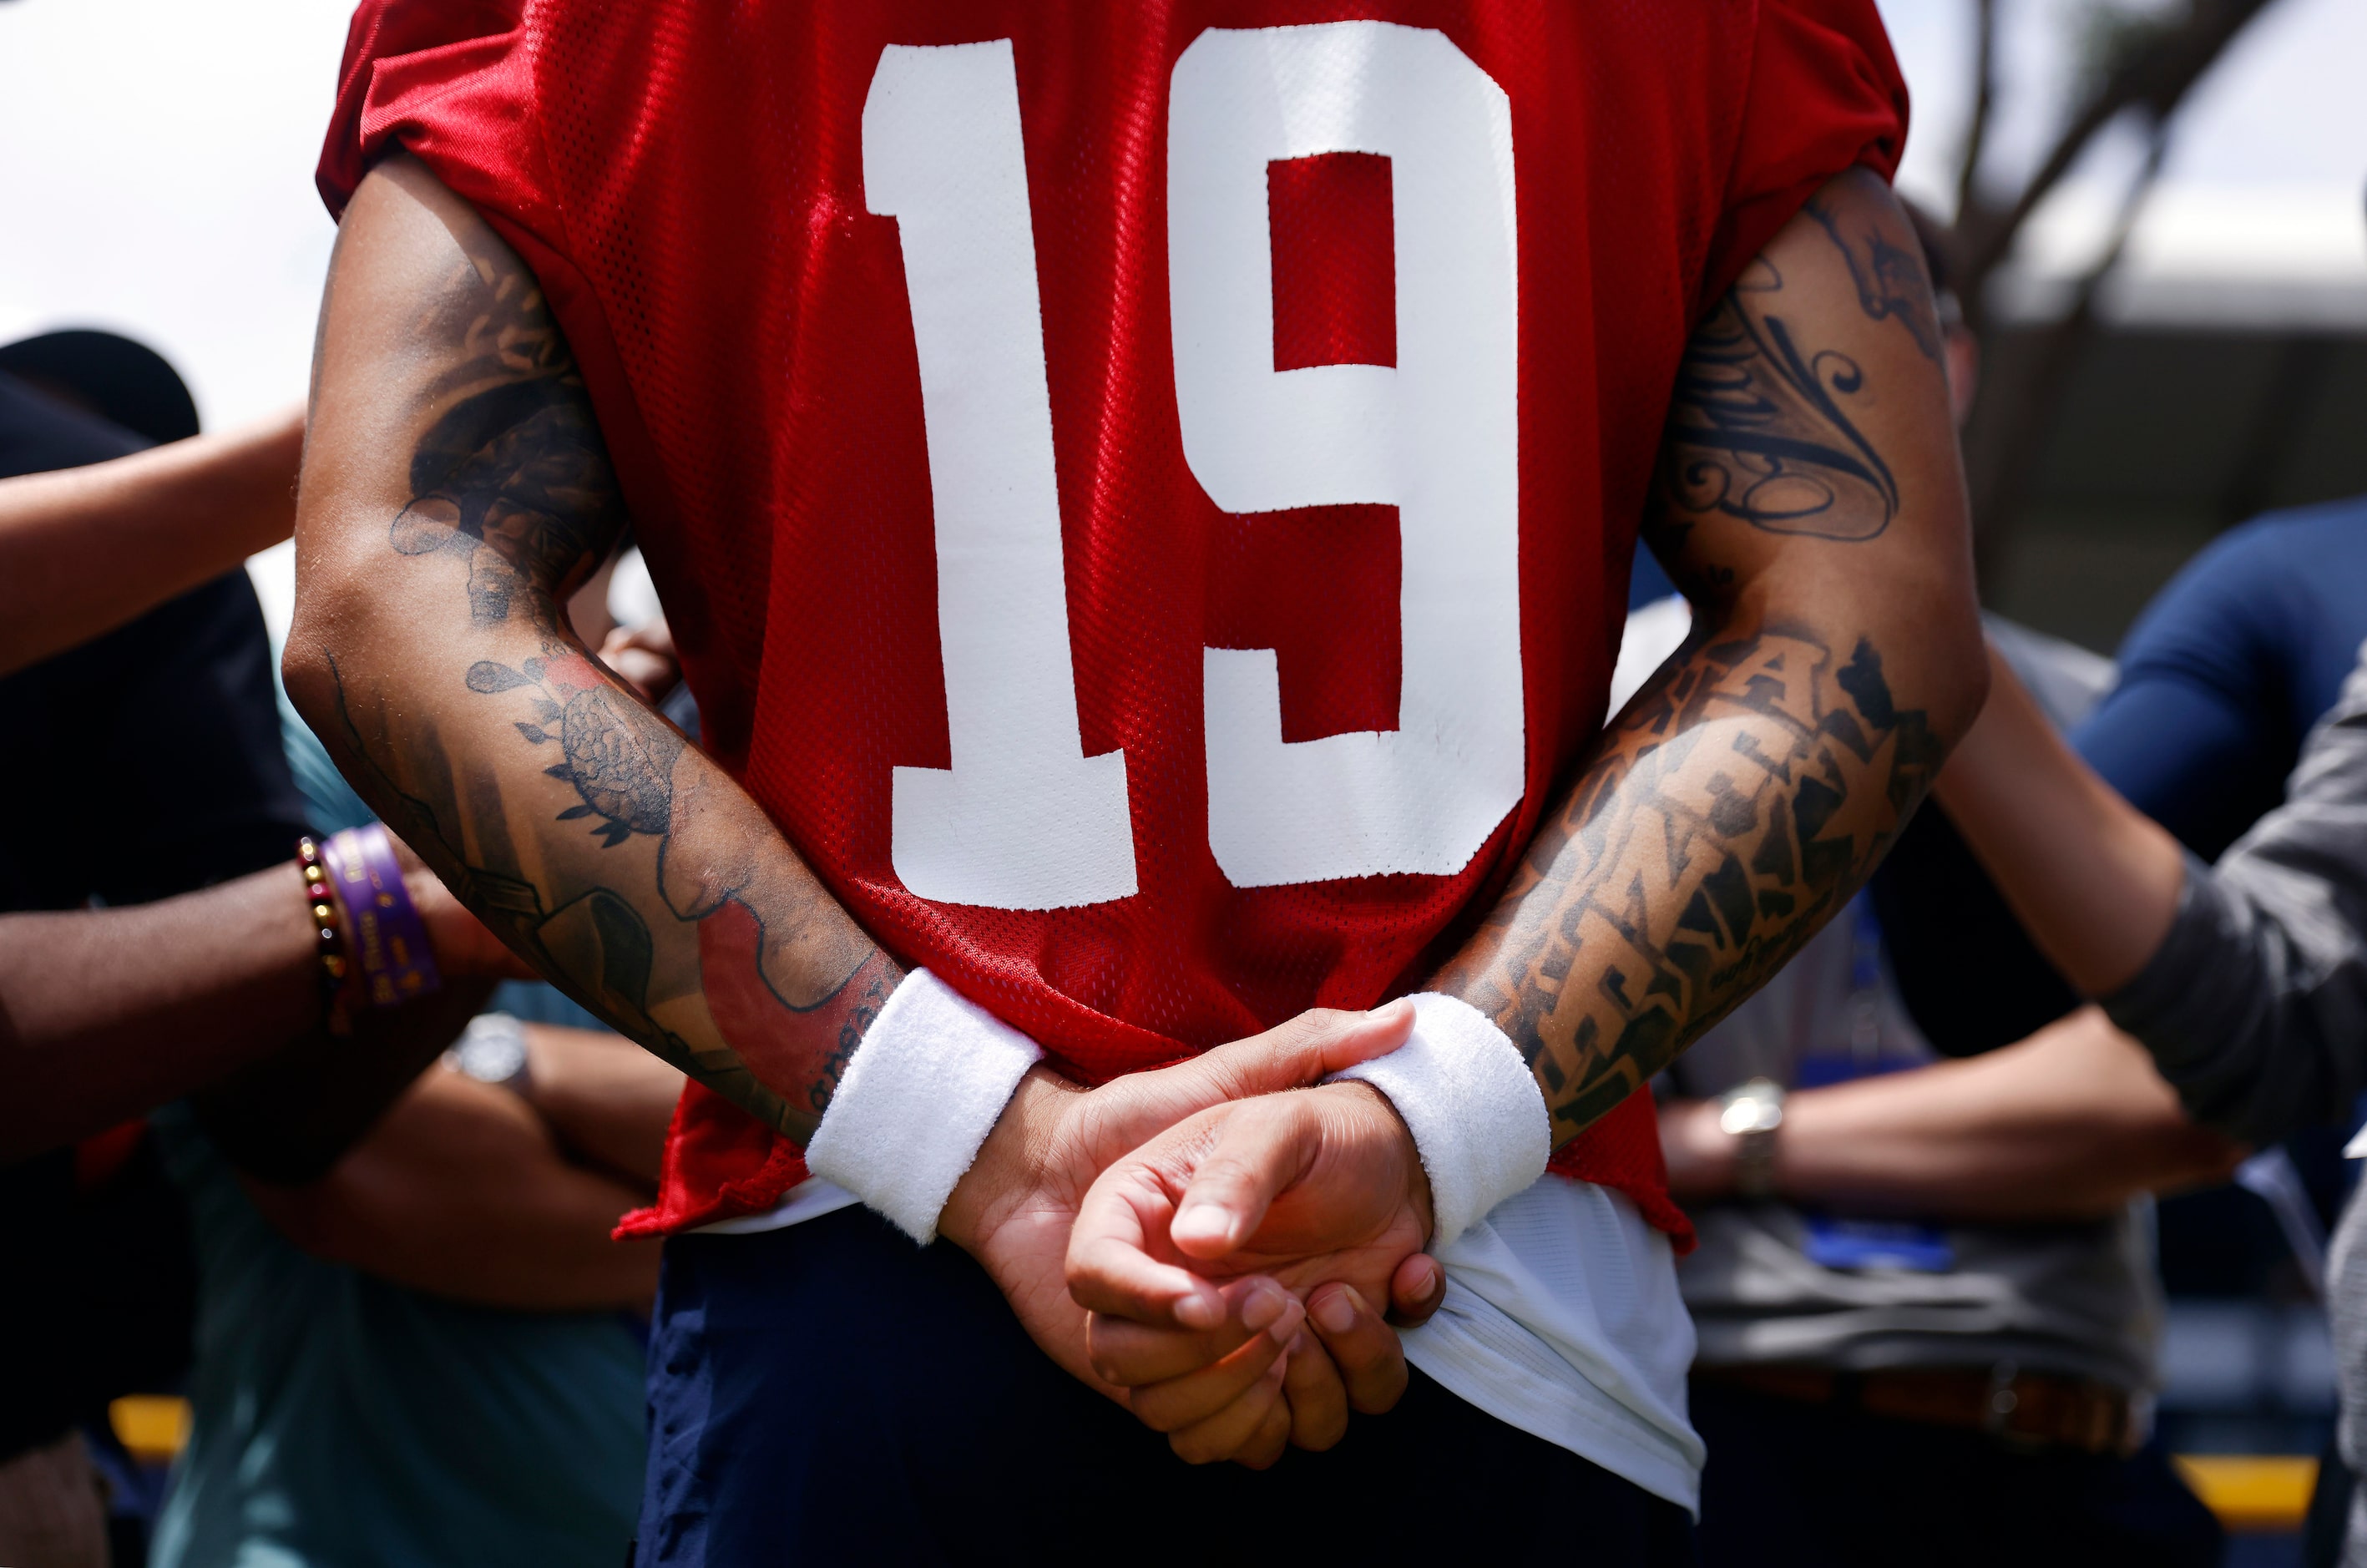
(490, 1061)
(492, 1050)
(1750, 1113)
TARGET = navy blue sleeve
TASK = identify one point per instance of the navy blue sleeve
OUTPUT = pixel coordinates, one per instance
(2198, 733)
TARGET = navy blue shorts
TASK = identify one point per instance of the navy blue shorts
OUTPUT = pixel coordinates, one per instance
(830, 1394)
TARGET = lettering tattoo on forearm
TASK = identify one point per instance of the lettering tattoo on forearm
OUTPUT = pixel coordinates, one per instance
(667, 903)
(1754, 784)
(1742, 799)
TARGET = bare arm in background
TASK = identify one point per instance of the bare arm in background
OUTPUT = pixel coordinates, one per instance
(107, 1014)
(2092, 878)
(2068, 1124)
(467, 1190)
(2247, 981)
(606, 1099)
(164, 521)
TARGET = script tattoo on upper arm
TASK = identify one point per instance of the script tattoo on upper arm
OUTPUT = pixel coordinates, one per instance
(1764, 428)
(1745, 794)
(1758, 430)
(709, 943)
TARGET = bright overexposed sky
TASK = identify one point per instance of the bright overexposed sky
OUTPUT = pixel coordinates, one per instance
(157, 172)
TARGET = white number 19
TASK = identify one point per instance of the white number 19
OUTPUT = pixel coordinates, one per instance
(1023, 820)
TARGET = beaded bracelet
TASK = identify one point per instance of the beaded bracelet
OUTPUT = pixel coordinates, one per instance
(326, 923)
(328, 926)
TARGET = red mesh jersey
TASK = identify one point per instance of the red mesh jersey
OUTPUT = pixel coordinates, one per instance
(1144, 493)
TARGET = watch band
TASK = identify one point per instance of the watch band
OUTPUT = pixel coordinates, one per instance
(1753, 1113)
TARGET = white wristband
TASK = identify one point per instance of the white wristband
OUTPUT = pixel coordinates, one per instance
(917, 1101)
(1478, 1118)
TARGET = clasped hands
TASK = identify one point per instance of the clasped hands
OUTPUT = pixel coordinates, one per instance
(1215, 1244)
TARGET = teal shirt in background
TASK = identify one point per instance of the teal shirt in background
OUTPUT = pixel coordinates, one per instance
(342, 1420)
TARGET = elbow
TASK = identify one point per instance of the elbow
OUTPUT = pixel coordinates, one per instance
(313, 1217)
(338, 621)
(2196, 1157)
(1959, 656)
(306, 670)
(320, 637)
(1966, 692)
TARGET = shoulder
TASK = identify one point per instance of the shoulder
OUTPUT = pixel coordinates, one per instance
(2256, 585)
(2238, 592)
(38, 434)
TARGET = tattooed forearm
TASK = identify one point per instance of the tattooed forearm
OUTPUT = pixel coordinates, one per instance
(1752, 786)
(583, 828)
(1743, 797)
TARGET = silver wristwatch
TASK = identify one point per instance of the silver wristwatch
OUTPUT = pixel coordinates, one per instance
(1750, 1113)
(491, 1050)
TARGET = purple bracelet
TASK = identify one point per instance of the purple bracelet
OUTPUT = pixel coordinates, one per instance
(387, 942)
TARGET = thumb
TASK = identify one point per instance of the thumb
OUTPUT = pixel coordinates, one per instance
(1261, 1150)
(1291, 1055)
(1416, 1290)
(1305, 1050)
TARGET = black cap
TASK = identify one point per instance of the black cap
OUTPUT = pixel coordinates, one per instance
(124, 382)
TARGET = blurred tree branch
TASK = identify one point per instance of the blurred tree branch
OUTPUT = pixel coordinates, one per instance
(2140, 65)
(1977, 133)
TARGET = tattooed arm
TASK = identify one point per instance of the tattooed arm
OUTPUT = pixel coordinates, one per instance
(456, 489)
(1811, 506)
(1810, 502)
(164, 521)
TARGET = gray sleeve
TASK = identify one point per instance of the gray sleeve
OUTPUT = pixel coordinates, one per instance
(2255, 1006)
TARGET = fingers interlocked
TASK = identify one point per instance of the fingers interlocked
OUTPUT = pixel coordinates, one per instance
(1215, 1259)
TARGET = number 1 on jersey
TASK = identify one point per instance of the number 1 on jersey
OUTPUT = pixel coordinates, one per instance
(1023, 819)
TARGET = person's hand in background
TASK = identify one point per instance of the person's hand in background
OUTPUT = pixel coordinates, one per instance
(643, 658)
(85, 549)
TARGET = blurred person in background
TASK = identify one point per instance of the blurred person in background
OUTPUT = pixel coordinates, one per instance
(2246, 980)
(1925, 1303)
(434, 1353)
(2229, 667)
(84, 548)
(145, 766)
